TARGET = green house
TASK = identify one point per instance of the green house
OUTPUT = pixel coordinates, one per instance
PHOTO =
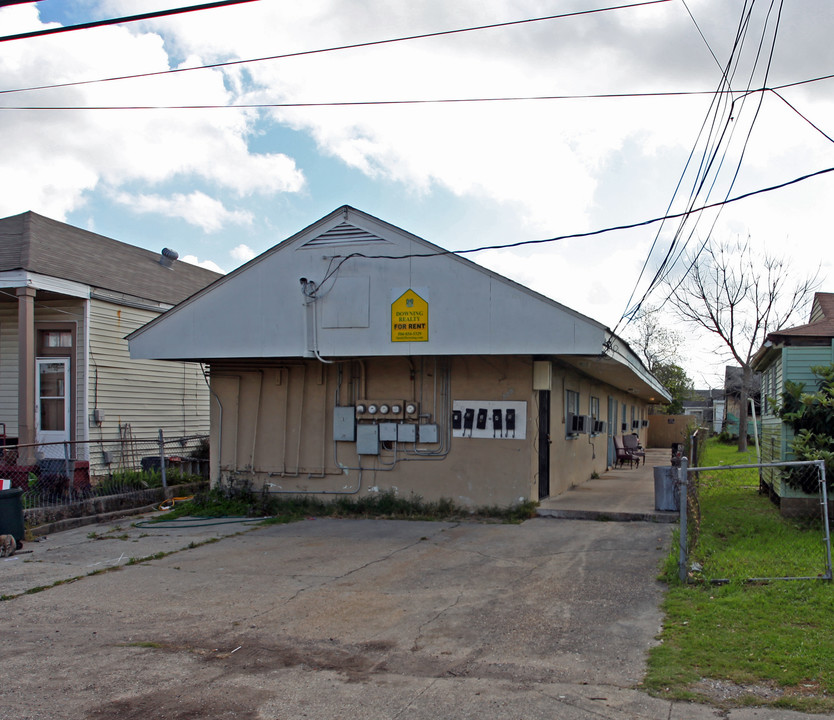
(789, 355)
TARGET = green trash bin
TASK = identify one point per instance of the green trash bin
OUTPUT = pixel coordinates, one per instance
(11, 514)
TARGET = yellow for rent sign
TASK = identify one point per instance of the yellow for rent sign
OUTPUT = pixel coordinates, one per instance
(409, 318)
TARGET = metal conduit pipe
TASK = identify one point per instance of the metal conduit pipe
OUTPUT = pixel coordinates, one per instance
(257, 418)
(220, 422)
(220, 432)
(320, 492)
(363, 390)
(300, 424)
(445, 412)
(284, 472)
(312, 300)
(323, 472)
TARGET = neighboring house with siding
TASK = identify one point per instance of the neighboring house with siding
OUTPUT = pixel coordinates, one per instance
(68, 298)
(789, 355)
(354, 357)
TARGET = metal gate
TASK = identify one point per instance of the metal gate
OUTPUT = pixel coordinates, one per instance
(754, 523)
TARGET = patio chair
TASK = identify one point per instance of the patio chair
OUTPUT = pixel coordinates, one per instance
(622, 454)
(633, 446)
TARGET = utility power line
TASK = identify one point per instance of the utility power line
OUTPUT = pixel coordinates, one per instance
(615, 228)
(438, 101)
(121, 20)
(339, 48)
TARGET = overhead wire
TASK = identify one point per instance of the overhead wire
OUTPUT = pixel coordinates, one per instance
(440, 101)
(807, 120)
(727, 129)
(368, 103)
(589, 233)
(676, 248)
(122, 20)
(339, 48)
(710, 118)
(693, 259)
(695, 256)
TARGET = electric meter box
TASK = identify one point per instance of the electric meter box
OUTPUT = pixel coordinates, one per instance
(367, 439)
(427, 433)
(406, 432)
(387, 432)
(344, 423)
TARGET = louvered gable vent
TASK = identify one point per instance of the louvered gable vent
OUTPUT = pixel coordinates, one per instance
(344, 234)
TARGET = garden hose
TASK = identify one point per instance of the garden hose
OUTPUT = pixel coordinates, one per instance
(170, 502)
(195, 522)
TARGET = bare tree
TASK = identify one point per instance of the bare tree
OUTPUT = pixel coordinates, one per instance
(739, 296)
(655, 343)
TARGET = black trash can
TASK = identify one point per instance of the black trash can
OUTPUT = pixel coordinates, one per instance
(666, 488)
(11, 514)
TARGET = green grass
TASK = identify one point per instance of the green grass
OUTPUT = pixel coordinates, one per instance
(775, 635)
(742, 534)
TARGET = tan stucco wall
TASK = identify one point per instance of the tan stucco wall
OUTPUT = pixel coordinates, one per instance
(575, 459)
(274, 425)
(277, 427)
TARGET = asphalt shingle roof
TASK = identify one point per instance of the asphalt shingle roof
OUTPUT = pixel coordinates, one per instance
(823, 326)
(40, 245)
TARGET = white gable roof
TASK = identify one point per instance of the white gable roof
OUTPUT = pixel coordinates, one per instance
(359, 265)
(328, 291)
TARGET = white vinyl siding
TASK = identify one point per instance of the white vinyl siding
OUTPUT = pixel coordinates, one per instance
(146, 394)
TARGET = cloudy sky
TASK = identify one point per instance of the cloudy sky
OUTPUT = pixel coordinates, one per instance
(575, 124)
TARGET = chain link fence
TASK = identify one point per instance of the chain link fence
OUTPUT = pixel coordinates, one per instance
(59, 474)
(737, 528)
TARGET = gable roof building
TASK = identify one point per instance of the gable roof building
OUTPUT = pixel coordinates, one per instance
(68, 297)
(359, 314)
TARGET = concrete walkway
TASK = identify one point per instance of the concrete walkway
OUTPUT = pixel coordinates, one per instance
(621, 494)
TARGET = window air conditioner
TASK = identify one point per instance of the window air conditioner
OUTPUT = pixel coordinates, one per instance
(580, 423)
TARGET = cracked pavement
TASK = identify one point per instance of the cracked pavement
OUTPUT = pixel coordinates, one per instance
(332, 618)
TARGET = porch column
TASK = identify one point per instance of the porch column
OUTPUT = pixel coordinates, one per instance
(26, 372)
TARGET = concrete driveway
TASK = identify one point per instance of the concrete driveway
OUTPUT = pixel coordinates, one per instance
(335, 618)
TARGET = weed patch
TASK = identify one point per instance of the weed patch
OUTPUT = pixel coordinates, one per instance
(238, 499)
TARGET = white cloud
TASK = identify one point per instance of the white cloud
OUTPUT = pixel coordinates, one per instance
(242, 253)
(195, 208)
(58, 157)
(207, 264)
